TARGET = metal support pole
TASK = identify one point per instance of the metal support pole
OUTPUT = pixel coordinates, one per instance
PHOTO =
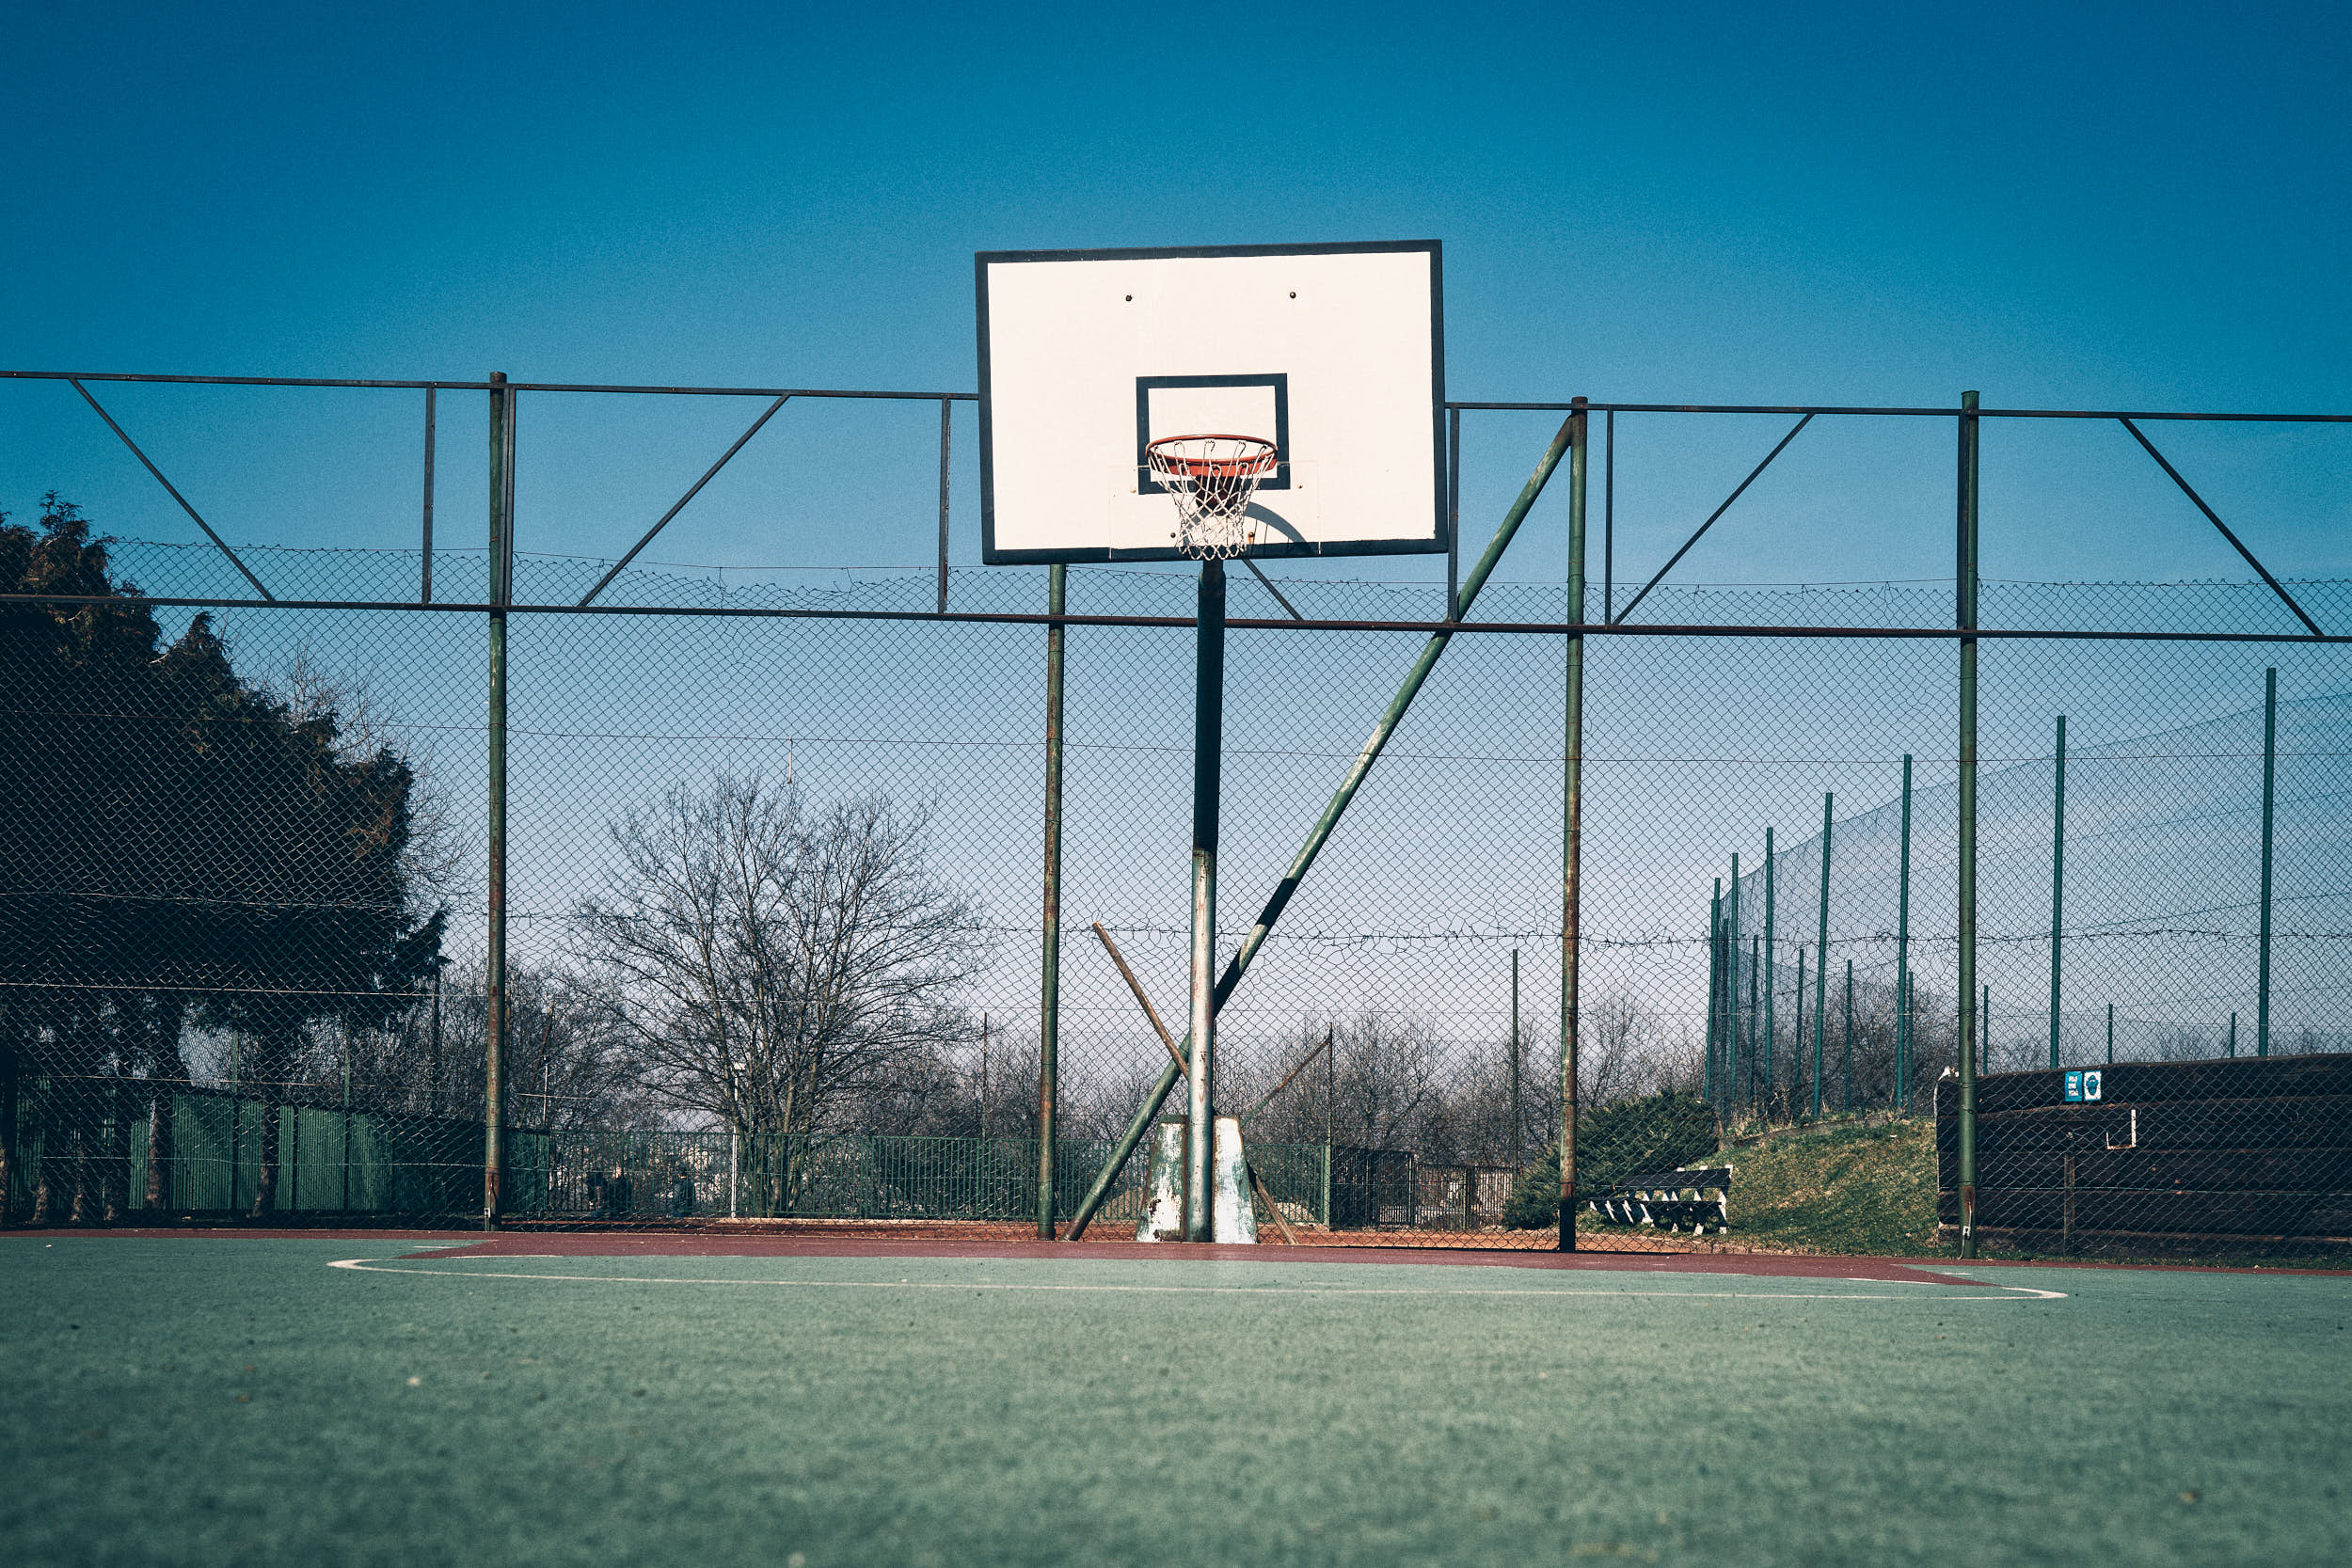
(1966, 574)
(944, 424)
(1731, 1010)
(1609, 516)
(1715, 991)
(2110, 1034)
(1571, 838)
(1049, 962)
(1320, 834)
(1846, 1036)
(2058, 887)
(1771, 1033)
(1331, 1104)
(1208, 743)
(2233, 1032)
(346, 1203)
(1452, 509)
(425, 591)
(1796, 1036)
(1820, 949)
(2271, 775)
(1518, 1118)
(1903, 954)
(1755, 971)
(494, 987)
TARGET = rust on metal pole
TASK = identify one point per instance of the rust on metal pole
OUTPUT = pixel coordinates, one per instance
(1572, 827)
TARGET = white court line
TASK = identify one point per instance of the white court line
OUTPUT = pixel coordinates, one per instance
(2022, 1293)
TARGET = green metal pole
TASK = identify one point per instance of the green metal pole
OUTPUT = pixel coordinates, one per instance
(2233, 1032)
(2270, 773)
(1821, 948)
(1208, 749)
(1966, 574)
(1846, 1036)
(1903, 954)
(1715, 991)
(1731, 1007)
(2057, 886)
(1331, 1097)
(1796, 1036)
(1519, 1120)
(1771, 957)
(1049, 965)
(1755, 971)
(1572, 826)
(1320, 834)
(2110, 1034)
(502, 591)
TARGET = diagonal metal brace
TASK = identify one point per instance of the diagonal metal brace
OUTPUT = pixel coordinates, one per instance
(2215, 519)
(1710, 520)
(1268, 583)
(708, 474)
(1320, 834)
(220, 543)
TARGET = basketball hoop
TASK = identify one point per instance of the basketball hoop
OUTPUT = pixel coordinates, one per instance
(1212, 479)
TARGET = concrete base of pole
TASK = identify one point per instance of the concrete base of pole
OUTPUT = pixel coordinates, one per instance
(1163, 1216)
(1232, 1212)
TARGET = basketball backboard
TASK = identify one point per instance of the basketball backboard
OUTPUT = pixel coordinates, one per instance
(1336, 353)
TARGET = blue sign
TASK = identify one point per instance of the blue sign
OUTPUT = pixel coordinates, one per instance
(2073, 1088)
(2091, 1084)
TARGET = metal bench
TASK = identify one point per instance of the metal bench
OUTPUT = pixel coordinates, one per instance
(1669, 1199)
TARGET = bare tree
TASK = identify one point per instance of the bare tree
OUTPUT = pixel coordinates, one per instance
(773, 962)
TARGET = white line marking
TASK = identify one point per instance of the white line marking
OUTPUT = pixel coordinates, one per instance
(2024, 1292)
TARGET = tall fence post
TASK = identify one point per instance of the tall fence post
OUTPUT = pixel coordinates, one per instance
(1518, 1118)
(494, 984)
(1049, 962)
(1755, 970)
(1821, 948)
(1903, 954)
(1572, 825)
(2057, 886)
(1771, 965)
(1731, 1011)
(1715, 991)
(424, 580)
(945, 425)
(1965, 589)
(2270, 773)
(1847, 1037)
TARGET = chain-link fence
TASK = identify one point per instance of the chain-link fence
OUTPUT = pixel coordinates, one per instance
(772, 933)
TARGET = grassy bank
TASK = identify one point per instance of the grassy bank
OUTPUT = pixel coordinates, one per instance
(1846, 1187)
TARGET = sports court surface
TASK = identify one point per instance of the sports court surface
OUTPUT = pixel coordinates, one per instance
(533, 1399)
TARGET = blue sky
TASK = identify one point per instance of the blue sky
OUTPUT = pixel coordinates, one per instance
(2088, 205)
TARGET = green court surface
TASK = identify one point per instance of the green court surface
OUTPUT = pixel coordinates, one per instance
(217, 1399)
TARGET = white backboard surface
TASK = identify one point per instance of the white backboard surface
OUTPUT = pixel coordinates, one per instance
(1334, 352)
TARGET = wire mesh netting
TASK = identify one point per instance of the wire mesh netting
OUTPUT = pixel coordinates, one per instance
(773, 895)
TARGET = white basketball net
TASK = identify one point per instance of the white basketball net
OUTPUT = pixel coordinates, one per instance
(1212, 479)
